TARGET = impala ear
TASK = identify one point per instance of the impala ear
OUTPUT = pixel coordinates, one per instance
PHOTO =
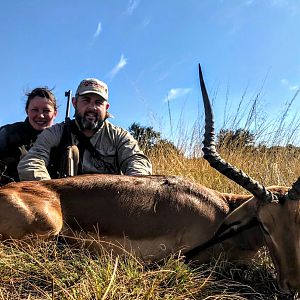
(242, 218)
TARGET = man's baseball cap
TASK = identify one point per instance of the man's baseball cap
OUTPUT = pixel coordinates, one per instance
(93, 85)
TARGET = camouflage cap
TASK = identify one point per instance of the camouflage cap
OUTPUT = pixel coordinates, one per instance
(93, 85)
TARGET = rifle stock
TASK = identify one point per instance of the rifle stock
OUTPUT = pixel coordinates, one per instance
(72, 160)
(70, 155)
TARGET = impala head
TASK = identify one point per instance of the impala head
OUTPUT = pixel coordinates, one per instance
(276, 210)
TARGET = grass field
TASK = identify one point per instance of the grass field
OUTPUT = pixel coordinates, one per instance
(54, 270)
(51, 270)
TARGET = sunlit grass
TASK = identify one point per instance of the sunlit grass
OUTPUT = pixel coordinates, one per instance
(52, 270)
(280, 168)
(49, 271)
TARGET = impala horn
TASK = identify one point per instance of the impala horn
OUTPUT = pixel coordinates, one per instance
(294, 191)
(214, 159)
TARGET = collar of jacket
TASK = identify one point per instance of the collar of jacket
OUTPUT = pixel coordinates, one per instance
(32, 133)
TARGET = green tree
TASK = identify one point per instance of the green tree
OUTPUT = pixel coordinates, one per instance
(147, 137)
(238, 138)
(150, 140)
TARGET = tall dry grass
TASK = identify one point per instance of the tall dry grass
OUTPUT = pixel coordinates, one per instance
(52, 270)
(48, 271)
(269, 168)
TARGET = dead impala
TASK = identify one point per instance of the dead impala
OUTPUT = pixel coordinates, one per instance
(154, 216)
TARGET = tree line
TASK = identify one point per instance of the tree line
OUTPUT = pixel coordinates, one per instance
(150, 139)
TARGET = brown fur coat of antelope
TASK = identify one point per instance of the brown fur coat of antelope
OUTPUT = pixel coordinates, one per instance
(154, 216)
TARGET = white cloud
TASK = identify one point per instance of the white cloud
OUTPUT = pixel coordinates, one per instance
(291, 6)
(120, 65)
(294, 87)
(98, 30)
(145, 22)
(291, 87)
(162, 76)
(234, 30)
(132, 5)
(176, 93)
(96, 34)
(279, 2)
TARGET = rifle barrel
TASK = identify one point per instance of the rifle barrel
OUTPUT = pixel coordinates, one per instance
(69, 95)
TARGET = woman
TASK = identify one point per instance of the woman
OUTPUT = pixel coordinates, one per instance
(17, 138)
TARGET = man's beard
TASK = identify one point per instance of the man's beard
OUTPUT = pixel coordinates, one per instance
(84, 123)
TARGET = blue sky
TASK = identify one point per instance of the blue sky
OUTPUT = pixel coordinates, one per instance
(148, 51)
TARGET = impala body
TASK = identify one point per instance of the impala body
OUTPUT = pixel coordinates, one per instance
(155, 216)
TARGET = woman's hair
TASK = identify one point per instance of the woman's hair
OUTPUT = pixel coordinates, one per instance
(43, 92)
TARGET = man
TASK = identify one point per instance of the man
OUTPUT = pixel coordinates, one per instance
(103, 147)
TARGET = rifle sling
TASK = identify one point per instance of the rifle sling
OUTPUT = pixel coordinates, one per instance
(85, 141)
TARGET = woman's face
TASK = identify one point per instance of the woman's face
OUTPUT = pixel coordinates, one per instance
(41, 113)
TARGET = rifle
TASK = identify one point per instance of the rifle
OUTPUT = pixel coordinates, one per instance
(69, 95)
(70, 155)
